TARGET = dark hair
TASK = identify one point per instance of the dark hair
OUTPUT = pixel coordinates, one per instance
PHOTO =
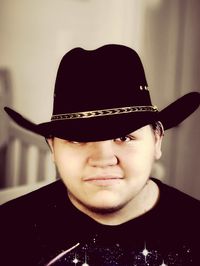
(158, 126)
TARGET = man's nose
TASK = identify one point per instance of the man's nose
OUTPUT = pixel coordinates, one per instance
(103, 154)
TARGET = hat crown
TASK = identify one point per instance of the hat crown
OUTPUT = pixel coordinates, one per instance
(111, 76)
(102, 94)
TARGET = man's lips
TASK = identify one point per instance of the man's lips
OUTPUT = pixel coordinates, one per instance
(107, 180)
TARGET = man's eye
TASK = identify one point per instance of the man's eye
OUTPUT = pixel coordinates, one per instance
(75, 142)
(125, 138)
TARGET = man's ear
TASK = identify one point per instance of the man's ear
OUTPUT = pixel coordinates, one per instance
(158, 145)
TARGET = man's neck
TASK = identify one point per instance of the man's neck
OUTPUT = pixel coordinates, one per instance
(141, 204)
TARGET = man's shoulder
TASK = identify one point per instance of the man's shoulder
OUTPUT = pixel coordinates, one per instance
(177, 201)
(43, 196)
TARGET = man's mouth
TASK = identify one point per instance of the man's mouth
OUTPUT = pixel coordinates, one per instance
(107, 180)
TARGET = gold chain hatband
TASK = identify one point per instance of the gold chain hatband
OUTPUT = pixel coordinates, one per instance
(104, 112)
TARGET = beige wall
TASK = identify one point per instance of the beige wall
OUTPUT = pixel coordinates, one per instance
(171, 51)
(35, 34)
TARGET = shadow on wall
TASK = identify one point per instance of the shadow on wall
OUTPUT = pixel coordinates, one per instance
(5, 99)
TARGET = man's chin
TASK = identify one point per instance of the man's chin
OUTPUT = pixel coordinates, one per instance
(104, 209)
(96, 205)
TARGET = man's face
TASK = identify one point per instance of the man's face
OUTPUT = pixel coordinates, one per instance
(107, 175)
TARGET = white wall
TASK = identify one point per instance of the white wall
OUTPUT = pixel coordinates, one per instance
(35, 34)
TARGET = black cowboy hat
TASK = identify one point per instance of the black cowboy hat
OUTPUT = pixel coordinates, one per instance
(103, 94)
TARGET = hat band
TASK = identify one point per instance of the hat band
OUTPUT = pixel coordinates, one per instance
(104, 112)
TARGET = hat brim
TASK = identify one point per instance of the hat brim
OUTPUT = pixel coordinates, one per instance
(111, 127)
(179, 110)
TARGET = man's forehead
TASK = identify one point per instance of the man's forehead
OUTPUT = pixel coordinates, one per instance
(142, 130)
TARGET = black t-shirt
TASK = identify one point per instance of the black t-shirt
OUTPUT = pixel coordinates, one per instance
(44, 228)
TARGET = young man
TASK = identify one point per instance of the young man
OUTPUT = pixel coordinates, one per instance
(104, 135)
